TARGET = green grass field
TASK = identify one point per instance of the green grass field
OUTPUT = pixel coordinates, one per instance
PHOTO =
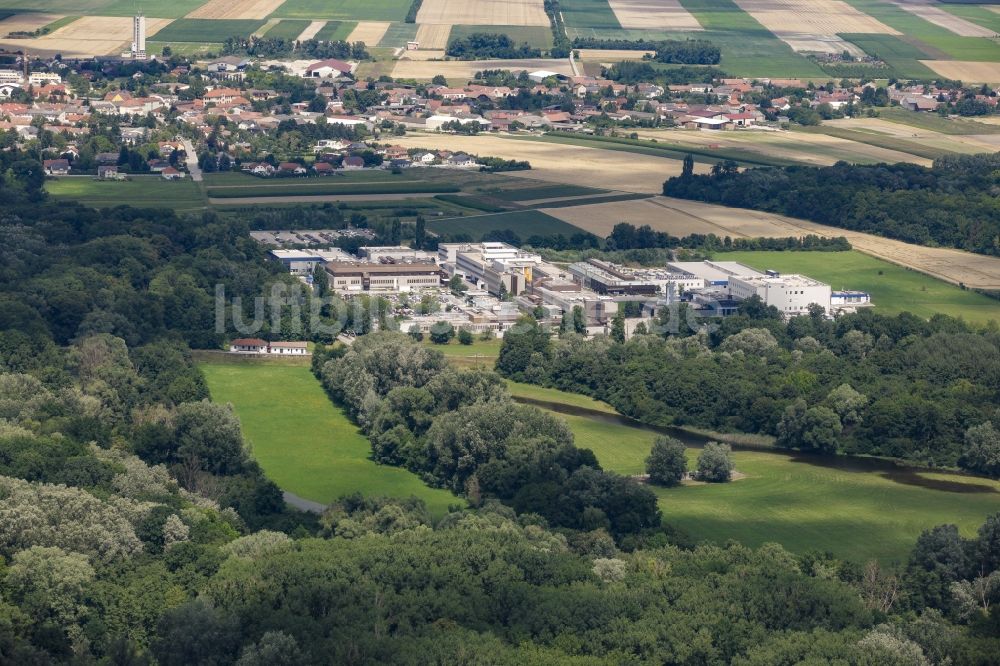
(287, 29)
(141, 191)
(588, 14)
(398, 34)
(893, 288)
(536, 36)
(303, 442)
(902, 57)
(328, 186)
(344, 10)
(184, 48)
(524, 223)
(978, 15)
(59, 23)
(206, 30)
(335, 31)
(804, 504)
(545, 192)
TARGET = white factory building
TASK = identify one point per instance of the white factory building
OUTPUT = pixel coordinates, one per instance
(791, 294)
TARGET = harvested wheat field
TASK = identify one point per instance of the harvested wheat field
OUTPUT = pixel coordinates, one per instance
(680, 217)
(611, 55)
(433, 35)
(558, 163)
(931, 13)
(959, 143)
(819, 17)
(483, 12)
(369, 32)
(653, 15)
(230, 9)
(423, 55)
(465, 69)
(26, 23)
(965, 70)
(311, 30)
(813, 43)
(807, 148)
(91, 36)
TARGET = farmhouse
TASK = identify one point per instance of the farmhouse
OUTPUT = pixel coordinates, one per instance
(288, 348)
(248, 346)
(328, 69)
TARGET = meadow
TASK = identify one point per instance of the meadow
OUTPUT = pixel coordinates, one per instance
(206, 30)
(854, 508)
(893, 288)
(328, 186)
(344, 10)
(524, 223)
(140, 191)
(305, 443)
(175, 9)
(935, 123)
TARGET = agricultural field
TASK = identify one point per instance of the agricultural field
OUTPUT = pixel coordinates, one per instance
(175, 9)
(855, 508)
(681, 218)
(326, 186)
(311, 30)
(335, 30)
(966, 71)
(287, 29)
(434, 36)
(524, 223)
(84, 36)
(588, 14)
(463, 70)
(885, 130)
(559, 163)
(893, 288)
(904, 58)
(933, 13)
(398, 34)
(228, 10)
(305, 443)
(205, 30)
(545, 192)
(536, 36)
(141, 191)
(344, 10)
(935, 123)
(368, 32)
(816, 149)
(653, 15)
(483, 12)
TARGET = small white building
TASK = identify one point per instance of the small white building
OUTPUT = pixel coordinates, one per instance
(288, 348)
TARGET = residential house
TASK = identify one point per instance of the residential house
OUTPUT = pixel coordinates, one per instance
(109, 172)
(291, 168)
(248, 346)
(354, 162)
(171, 173)
(58, 167)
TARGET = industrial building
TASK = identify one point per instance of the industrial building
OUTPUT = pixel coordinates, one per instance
(356, 277)
(791, 294)
(302, 262)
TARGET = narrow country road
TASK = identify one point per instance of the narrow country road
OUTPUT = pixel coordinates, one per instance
(192, 161)
(303, 504)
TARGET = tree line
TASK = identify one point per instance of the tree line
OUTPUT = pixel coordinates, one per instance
(480, 45)
(866, 383)
(950, 203)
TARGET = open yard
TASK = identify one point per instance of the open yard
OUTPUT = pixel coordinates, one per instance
(680, 218)
(463, 70)
(140, 191)
(893, 288)
(856, 509)
(305, 443)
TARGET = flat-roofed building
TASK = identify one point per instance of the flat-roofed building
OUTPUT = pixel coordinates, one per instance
(714, 273)
(300, 262)
(605, 278)
(394, 253)
(791, 294)
(402, 277)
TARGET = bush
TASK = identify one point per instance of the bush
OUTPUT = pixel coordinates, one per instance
(465, 336)
(666, 463)
(442, 332)
(715, 463)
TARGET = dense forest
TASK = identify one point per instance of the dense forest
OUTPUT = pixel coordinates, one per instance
(480, 45)
(952, 203)
(136, 528)
(866, 383)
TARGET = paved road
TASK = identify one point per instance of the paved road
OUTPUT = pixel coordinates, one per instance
(303, 504)
(192, 161)
(318, 198)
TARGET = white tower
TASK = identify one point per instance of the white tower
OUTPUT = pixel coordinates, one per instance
(139, 37)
